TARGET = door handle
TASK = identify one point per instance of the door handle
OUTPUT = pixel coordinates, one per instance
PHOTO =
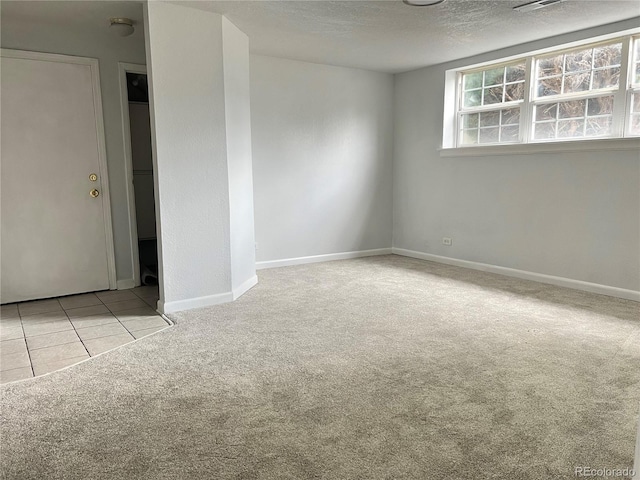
(94, 193)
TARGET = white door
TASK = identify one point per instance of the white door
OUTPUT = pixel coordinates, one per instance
(53, 231)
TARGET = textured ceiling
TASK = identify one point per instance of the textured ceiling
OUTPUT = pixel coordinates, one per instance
(377, 35)
(391, 36)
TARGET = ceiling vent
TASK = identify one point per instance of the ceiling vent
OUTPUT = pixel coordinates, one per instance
(528, 7)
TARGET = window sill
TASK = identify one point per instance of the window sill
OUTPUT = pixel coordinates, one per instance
(598, 145)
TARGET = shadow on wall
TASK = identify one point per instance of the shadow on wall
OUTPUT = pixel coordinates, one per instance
(346, 185)
(322, 162)
(545, 293)
(363, 178)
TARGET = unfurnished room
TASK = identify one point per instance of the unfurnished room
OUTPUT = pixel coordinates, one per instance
(317, 239)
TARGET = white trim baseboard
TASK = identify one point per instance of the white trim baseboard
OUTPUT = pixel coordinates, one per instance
(198, 302)
(125, 284)
(209, 300)
(537, 277)
(245, 287)
(286, 262)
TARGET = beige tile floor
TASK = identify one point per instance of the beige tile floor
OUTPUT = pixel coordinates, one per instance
(41, 336)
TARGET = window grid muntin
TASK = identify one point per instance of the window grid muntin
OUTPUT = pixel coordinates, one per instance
(487, 108)
(585, 118)
(592, 74)
(635, 62)
(634, 113)
(500, 126)
(564, 73)
(484, 86)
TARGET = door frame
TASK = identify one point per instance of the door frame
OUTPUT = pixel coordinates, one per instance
(92, 63)
(123, 69)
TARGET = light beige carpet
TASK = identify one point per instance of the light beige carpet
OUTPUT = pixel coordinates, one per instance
(377, 368)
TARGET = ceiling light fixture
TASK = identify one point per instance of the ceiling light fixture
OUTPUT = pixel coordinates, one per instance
(422, 3)
(123, 27)
(528, 7)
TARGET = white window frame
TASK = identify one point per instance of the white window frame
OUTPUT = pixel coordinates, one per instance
(618, 93)
(634, 88)
(623, 95)
(462, 110)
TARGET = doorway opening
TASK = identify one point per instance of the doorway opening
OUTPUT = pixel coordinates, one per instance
(144, 243)
(142, 166)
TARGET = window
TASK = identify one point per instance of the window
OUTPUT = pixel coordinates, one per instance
(574, 93)
(582, 92)
(491, 102)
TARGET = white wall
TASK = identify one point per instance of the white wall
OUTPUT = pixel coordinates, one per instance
(199, 153)
(238, 122)
(572, 215)
(322, 158)
(23, 34)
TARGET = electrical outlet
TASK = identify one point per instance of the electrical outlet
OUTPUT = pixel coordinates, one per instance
(446, 241)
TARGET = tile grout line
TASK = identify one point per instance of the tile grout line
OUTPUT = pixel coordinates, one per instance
(114, 315)
(112, 335)
(54, 321)
(125, 327)
(26, 344)
(76, 330)
(56, 345)
(11, 370)
(141, 330)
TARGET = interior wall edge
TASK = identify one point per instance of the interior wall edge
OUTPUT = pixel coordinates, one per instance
(245, 287)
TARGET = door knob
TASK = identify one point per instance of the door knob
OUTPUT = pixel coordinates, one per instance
(94, 193)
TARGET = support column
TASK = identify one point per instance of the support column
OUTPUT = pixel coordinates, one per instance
(201, 140)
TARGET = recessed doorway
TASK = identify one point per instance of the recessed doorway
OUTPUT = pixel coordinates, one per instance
(140, 182)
